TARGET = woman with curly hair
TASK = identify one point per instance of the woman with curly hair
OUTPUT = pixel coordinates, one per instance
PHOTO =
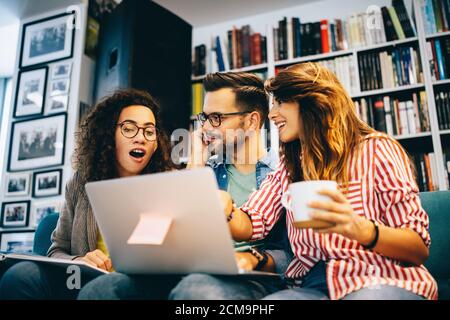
(120, 137)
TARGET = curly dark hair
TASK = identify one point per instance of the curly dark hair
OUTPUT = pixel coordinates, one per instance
(94, 156)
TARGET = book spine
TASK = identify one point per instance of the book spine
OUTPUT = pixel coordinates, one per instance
(428, 172)
(440, 60)
(403, 118)
(290, 39)
(380, 118)
(264, 49)
(396, 23)
(230, 48)
(388, 115)
(324, 35)
(411, 117)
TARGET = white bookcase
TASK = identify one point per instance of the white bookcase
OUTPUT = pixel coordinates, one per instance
(330, 9)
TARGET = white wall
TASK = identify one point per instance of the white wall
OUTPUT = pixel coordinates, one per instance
(9, 35)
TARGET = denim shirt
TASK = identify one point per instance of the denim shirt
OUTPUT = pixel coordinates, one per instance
(277, 239)
(263, 167)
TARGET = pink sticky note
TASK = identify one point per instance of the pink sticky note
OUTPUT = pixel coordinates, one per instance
(151, 229)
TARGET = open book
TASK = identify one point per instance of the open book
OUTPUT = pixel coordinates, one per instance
(13, 258)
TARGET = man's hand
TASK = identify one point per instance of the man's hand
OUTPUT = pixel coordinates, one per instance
(199, 150)
(227, 202)
(97, 259)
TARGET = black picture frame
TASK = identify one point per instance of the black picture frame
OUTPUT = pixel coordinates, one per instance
(55, 191)
(21, 159)
(15, 224)
(19, 90)
(11, 233)
(26, 61)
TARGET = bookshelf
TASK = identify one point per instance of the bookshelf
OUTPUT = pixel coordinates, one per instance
(430, 141)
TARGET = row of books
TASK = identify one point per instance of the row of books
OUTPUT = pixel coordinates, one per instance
(394, 116)
(426, 171)
(438, 53)
(436, 15)
(442, 100)
(244, 48)
(393, 67)
(295, 39)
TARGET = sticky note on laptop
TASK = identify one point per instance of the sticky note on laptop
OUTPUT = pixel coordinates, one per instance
(151, 229)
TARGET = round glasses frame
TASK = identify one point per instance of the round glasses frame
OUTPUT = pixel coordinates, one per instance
(131, 136)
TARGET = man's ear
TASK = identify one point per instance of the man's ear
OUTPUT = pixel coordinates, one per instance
(254, 120)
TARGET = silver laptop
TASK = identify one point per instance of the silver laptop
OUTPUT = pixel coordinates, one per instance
(198, 239)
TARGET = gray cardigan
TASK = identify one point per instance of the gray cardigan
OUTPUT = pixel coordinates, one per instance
(76, 232)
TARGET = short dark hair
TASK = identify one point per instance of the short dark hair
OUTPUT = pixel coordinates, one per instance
(248, 87)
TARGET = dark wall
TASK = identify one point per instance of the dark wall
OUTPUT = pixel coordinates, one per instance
(152, 49)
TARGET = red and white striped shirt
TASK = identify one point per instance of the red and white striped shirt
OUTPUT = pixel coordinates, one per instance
(382, 188)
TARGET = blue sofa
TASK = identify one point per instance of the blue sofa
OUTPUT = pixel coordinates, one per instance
(436, 204)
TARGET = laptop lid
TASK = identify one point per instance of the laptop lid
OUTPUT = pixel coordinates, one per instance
(198, 239)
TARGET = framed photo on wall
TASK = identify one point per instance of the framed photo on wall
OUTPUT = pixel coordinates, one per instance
(15, 214)
(41, 209)
(17, 184)
(61, 70)
(57, 104)
(17, 241)
(59, 87)
(47, 183)
(37, 143)
(30, 93)
(47, 40)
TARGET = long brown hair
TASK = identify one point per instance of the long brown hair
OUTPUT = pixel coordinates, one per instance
(94, 156)
(332, 129)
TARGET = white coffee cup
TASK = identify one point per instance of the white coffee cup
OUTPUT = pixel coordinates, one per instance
(300, 193)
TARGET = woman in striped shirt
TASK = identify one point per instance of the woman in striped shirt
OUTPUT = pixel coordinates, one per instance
(379, 237)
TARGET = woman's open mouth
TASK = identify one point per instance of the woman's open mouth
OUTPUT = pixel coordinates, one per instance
(137, 153)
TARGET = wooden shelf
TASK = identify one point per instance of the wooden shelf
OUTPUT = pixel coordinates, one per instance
(386, 91)
(439, 34)
(444, 131)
